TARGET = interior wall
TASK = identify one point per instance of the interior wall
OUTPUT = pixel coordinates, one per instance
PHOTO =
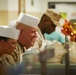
(12, 10)
(35, 8)
(9, 9)
(40, 6)
(3, 12)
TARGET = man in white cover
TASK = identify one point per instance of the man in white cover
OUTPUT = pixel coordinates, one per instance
(27, 24)
(8, 41)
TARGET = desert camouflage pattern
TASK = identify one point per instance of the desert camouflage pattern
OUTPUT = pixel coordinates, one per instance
(14, 58)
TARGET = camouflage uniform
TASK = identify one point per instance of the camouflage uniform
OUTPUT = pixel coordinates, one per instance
(14, 58)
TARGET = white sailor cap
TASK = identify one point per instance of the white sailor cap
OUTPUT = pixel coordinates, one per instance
(28, 20)
(6, 31)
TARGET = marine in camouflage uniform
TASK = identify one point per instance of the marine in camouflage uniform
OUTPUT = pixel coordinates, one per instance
(14, 58)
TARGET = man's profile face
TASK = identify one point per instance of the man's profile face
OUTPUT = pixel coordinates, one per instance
(50, 27)
(29, 36)
(9, 45)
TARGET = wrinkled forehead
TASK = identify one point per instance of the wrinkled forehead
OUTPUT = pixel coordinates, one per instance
(29, 29)
(23, 26)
